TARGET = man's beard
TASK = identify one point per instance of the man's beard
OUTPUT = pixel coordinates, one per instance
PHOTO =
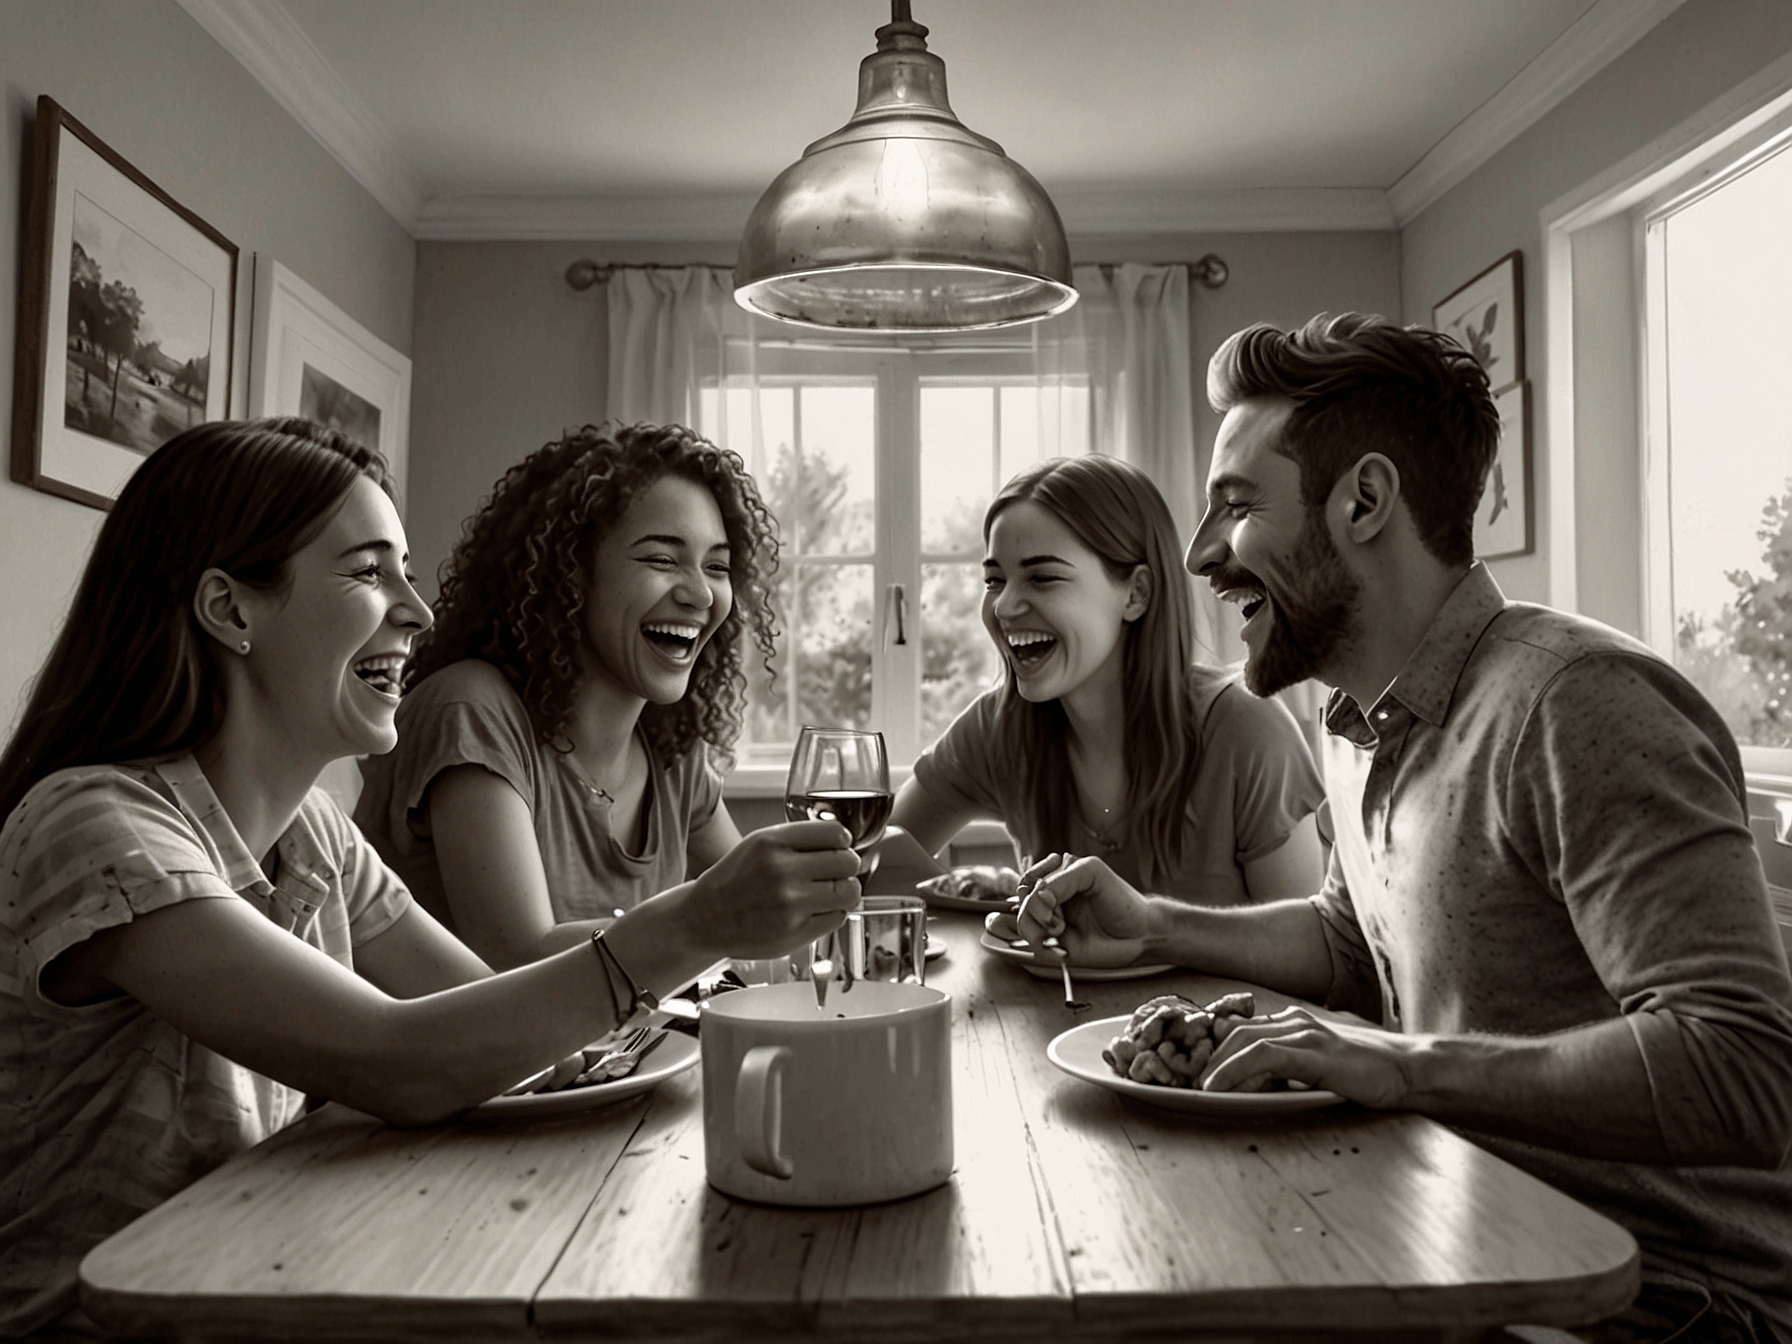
(1308, 624)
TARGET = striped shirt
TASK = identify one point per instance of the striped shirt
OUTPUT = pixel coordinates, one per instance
(105, 1110)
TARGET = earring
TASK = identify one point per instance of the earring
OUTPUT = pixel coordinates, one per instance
(243, 647)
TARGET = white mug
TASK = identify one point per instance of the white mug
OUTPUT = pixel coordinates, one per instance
(851, 1104)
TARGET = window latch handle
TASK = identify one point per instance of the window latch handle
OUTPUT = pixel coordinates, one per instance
(897, 607)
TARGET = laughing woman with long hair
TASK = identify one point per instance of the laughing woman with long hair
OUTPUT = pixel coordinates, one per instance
(1106, 738)
(192, 936)
(561, 741)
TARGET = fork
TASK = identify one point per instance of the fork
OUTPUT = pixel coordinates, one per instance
(629, 1053)
(1058, 950)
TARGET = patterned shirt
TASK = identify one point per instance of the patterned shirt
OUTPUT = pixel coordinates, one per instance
(105, 1110)
(1542, 825)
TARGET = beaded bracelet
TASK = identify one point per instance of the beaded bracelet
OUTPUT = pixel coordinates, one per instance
(640, 1001)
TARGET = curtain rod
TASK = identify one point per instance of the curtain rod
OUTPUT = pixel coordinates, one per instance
(1210, 271)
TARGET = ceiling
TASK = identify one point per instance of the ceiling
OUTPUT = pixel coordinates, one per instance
(666, 118)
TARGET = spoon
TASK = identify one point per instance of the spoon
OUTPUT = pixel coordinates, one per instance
(1058, 949)
(821, 970)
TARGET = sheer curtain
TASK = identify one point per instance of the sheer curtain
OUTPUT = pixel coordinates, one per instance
(674, 330)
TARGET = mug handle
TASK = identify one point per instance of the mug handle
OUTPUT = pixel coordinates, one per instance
(759, 1110)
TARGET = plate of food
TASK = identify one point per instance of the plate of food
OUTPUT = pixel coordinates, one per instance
(1179, 1036)
(1017, 951)
(671, 1053)
(980, 887)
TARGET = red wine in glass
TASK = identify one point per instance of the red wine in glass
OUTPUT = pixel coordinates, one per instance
(862, 811)
(841, 773)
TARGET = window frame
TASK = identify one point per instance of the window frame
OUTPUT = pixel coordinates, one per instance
(898, 374)
(1605, 345)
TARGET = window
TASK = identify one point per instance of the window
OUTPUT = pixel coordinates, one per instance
(1718, 546)
(879, 464)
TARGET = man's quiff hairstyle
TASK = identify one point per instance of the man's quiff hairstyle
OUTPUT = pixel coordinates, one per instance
(1360, 385)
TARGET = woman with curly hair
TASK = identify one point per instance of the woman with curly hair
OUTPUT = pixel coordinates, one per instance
(558, 743)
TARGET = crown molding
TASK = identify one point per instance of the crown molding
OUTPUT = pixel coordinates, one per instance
(720, 217)
(699, 218)
(271, 46)
(1603, 33)
(1241, 210)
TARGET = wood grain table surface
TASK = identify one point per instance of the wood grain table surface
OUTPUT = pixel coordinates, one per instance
(1073, 1213)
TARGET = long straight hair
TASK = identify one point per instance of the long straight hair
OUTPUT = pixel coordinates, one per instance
(1113, 508)
(132, 676)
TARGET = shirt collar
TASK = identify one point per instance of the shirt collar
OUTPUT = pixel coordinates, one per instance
(305, 867)
(1427, 683)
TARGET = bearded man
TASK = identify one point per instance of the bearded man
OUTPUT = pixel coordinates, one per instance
(1543, 892)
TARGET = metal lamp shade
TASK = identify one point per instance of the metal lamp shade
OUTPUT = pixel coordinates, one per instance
(904, 220)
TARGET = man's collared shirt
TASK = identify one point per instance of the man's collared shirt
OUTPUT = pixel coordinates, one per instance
(1541, 825)
(105, 1110)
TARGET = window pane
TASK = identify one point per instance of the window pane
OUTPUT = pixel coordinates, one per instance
(1043, 420)
(957, 467)
(958, 660)
(823, 663)
(1730, 466)
(837, 472)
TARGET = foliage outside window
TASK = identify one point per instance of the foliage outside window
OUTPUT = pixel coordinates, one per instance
(878, 466)
(1721, 365)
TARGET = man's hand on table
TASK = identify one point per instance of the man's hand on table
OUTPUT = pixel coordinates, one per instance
(1352, 1057)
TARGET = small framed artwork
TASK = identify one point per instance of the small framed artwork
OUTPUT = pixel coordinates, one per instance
(310, 358)
(1486, 318)
(127, 309)
(1503, 521)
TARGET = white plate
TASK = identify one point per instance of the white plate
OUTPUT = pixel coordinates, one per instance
(673, 1055)
(1023, 957)
(1078, 1053)
(938, 902)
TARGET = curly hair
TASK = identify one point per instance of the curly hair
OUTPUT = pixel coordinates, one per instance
(513, 593)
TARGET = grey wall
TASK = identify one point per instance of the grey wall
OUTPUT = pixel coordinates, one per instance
(1696, 55)
(507, 355)
(152, 84)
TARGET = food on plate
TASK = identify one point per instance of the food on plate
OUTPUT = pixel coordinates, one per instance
(1170, 1039)
(979, 882)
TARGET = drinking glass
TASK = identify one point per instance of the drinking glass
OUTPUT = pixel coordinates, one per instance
(841, 773)
(886, 939)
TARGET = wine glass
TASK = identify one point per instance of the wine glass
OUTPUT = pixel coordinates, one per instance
(842, 773)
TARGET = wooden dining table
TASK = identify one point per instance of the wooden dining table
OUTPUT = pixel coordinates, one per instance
(1073, 1213)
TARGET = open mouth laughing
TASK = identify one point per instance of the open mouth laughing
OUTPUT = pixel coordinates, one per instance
(1029, 648)
(676, 639)
(384, 672)
(1248, 600)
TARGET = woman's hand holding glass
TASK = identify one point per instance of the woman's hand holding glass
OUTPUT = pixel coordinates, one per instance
(780, 887)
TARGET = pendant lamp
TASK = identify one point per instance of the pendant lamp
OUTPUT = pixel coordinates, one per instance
(904, 220)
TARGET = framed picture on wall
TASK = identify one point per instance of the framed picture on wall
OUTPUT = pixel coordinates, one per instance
(1486, 318)
(127, 309)
(1503, 521)
(310, 358)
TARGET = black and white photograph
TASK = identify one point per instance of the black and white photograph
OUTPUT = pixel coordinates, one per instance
(126, 317)
(720, 699)
(310, 358)
(1486, 318)
(323, 399)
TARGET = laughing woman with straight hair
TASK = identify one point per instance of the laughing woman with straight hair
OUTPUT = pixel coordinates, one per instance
(192, 936)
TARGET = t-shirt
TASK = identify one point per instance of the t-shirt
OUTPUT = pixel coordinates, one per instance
(106, 1110)
(1254, 783)
(1542, 825)
(469, 714)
